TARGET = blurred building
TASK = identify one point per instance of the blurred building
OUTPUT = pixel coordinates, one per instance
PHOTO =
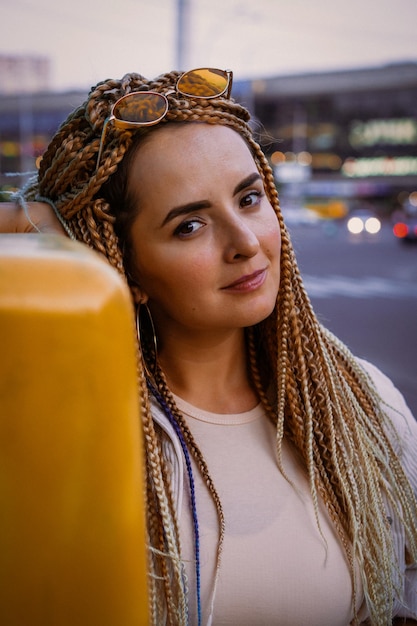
(346, 136)
(23, 74)
(27, 124)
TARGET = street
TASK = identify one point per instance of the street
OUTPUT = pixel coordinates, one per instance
(364, 289)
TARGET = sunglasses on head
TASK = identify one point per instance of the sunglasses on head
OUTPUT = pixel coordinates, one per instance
(146, 108)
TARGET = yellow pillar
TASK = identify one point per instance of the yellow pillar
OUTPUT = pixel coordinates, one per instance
(72, 533)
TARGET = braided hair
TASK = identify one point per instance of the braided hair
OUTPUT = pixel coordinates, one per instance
(322, 402)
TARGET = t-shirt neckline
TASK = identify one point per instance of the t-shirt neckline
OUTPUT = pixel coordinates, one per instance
(226, 419)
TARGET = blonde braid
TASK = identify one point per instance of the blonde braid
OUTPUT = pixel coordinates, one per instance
(166, 573)
(195, 452)
(260, 384)
(332, 414)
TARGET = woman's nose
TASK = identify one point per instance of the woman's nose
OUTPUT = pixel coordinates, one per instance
(241, 240)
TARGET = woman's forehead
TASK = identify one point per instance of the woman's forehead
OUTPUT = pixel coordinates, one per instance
(189, 131)
(175, 144)
(188, 161)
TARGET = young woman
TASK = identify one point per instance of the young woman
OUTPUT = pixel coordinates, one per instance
(281, 471)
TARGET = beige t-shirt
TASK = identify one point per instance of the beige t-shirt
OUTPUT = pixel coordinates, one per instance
(276, 568)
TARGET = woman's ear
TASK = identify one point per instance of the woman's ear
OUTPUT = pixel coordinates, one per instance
(139, 296)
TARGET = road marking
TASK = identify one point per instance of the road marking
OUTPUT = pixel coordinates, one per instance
(366, 287)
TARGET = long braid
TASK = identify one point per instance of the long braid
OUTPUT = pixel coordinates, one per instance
(312, 388)
(198, 457)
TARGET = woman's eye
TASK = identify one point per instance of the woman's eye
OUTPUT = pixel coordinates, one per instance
(189, 227)
(250, 199)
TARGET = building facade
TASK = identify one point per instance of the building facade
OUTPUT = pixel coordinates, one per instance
(347, 134)
(23, 73)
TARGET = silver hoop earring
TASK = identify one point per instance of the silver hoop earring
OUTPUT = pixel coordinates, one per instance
(147, 338)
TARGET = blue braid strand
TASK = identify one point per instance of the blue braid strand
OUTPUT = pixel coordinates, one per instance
(180, 436)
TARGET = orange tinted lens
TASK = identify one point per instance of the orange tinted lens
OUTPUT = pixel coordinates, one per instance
(141, 108)
(204, 83)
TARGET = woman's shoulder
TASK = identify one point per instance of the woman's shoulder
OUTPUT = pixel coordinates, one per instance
(405, 445)
(393, 405)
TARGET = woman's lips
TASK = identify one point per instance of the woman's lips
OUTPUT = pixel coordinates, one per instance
(247, 283)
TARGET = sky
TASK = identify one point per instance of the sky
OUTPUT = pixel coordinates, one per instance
(91, 40)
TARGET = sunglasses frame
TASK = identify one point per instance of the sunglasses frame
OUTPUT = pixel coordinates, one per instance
(124, 124)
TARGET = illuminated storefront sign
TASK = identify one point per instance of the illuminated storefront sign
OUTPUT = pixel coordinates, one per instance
(395, 132)
(380, 166)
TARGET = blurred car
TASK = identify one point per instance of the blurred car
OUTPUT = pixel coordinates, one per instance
(363, 222)
(405, 229)
(300, 216)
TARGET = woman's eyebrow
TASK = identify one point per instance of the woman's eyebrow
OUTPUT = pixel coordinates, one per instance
(199, 205)
(184, 209)
(247, 182)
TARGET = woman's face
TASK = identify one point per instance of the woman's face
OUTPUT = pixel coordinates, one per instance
(206, 239)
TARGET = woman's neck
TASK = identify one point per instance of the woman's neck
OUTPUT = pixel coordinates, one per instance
(211, 374)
